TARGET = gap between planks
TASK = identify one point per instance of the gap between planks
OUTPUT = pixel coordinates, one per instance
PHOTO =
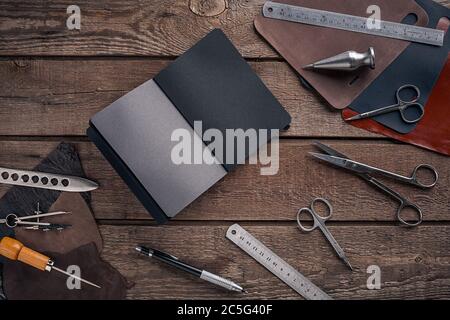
(262, 223)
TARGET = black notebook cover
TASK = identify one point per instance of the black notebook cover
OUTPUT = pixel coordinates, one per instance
(211, 83)
(228, 94)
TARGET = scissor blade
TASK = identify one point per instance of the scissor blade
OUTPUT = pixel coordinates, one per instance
(330, 151)
(343, 163)
(357, 117)
(340, 162)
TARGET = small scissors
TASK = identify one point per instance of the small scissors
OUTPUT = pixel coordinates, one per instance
(365, 172)
(319, 222)
(401, 106)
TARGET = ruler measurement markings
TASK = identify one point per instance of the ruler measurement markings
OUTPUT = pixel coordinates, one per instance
(274, 264)
(352, 23)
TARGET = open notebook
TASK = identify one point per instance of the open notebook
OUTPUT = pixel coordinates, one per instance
(210, 83)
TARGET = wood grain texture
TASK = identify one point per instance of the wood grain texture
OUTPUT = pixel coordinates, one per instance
(117, 27)
(246, 195)
(121, 27)
(415, 271)
(58, 96)
(52, 80)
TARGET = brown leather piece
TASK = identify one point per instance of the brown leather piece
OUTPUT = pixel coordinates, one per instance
(22, 282)
(302, 44)
(433, 131)
(83, 231)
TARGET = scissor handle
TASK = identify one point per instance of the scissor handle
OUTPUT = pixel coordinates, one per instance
(424, 167)
(404, 104)
(329, 208)
(301, 226)
(405, 205)
(317, 218)
(409, 105)
(408, 87)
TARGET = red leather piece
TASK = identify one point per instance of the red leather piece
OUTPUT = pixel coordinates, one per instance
(433, 131)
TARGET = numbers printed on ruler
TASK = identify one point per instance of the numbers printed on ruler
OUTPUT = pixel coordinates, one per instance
(275, 264)
(347, 22)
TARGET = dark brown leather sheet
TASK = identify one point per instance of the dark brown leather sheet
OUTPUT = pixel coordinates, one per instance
(22, 282)
(433, 131)
(301, 44)
(78, 245)
(83, 231)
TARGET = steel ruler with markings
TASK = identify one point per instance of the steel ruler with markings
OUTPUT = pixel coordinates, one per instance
(347, 22)
(275, 264)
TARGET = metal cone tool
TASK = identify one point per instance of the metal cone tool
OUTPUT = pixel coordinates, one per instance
(346, 61)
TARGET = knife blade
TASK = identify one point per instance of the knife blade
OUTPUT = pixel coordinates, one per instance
(45, 180)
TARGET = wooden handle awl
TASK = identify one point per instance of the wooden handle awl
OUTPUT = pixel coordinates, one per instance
(15, 250)
(10, 248)
(34, 259)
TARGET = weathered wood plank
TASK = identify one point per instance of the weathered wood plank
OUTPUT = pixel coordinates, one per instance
(149, 27)
(58, 96)
(246, 195)
(118, 27)
(417, 271)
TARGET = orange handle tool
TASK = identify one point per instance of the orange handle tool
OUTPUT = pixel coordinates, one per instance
(15, 250)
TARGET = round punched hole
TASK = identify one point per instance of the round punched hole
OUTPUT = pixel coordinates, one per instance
(65, 182)
(15, 176)
(54, 181)
(5, 175)
(25, 178)
(270, 9)
(44, 180)
(233, 231)
(35, 179)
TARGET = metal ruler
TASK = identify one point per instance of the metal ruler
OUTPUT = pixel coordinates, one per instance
(347, 22)
(275, 264)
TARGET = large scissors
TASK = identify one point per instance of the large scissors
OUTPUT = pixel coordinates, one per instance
(319, 222)
(401, 106)
(365, 172)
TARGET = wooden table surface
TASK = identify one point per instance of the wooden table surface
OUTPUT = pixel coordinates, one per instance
(53, 79)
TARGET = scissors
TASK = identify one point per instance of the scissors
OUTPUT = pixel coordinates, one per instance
(365, 172)
(401, 106)
(319, 222)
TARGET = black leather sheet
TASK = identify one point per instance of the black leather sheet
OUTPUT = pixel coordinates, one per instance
(419, 65)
